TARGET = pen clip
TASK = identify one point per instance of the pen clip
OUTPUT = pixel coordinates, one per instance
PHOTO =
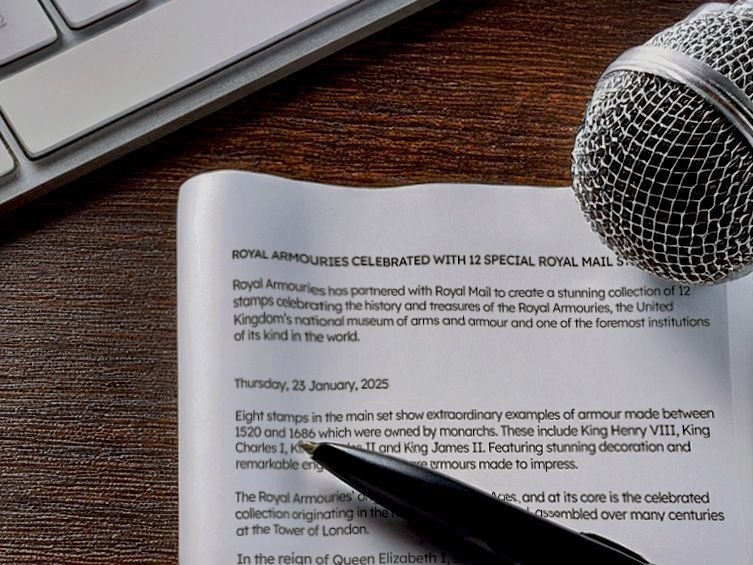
(617, 546)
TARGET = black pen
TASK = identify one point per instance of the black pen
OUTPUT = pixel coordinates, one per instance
(463, 514)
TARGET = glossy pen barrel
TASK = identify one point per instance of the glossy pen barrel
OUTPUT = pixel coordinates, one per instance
(436, 501)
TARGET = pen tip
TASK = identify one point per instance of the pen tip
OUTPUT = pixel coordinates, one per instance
(308, 446)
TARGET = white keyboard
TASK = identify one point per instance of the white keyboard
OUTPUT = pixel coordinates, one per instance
(84, 81)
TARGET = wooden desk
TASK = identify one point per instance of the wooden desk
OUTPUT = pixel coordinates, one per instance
(472, 90)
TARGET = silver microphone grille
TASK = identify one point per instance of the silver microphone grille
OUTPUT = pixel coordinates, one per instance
(665, 173)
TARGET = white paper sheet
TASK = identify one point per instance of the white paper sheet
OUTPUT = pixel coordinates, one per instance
(484, 331)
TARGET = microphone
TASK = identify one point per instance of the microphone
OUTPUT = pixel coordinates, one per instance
(663, 162)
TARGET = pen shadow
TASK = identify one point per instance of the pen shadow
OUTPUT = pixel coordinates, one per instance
(445, 544)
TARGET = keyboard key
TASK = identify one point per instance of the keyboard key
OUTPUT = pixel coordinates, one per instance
(24, 27)
(81, 13)
(7, 164)
(169, 47)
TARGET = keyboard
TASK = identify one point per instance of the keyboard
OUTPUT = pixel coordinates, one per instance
(83, 82)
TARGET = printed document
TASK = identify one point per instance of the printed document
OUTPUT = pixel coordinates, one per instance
(484, 332)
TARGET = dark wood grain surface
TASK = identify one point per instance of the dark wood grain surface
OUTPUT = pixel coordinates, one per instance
(472, 90)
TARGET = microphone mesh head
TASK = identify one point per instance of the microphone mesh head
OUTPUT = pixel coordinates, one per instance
(723, 41)
(664, 177)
